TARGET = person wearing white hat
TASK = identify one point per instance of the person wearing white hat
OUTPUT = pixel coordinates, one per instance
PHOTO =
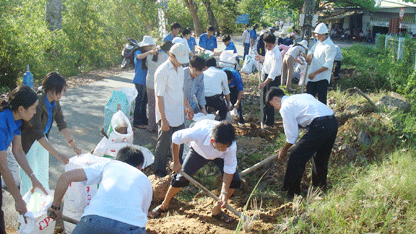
(321, 59)
(139, 80)
(171, 103)
(289, 61)
(183, 41)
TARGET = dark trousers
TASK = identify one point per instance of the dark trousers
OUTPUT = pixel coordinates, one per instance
(268, 109)
(163, 144)
(2, 225)
(193, 162)
(217, 102)
(246, 48)
(320, 88)
(140, 117)
(337, 68)
(233, 99)
(319, 139)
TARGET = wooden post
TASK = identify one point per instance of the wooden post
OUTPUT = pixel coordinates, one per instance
(261, 98)
(206, 191)
(365, 96)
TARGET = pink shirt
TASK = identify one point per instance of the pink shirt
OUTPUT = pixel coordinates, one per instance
(284, 49)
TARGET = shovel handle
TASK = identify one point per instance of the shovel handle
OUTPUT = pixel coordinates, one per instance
(63, 217)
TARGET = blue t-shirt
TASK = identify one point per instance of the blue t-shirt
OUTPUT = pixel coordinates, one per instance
(50, 107)
(237, 81)
(253, 34)
(168, 38)
(206, 43)
(8, 128)
(191, 43)
(140, 77)
(231, 46)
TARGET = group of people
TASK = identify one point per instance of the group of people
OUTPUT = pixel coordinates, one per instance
(177, 92)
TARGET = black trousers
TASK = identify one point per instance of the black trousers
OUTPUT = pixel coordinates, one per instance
(2, 225)
(317, 144)
(193, 162)
(233, 99)
(268, 109)
(217, 102)
(318, 87)
(337, 68)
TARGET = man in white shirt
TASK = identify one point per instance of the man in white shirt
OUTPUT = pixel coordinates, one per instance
(210, 141)
(170, 103)
(123, 198)
(271, 72)
(246, 40)
(321, 59)
(322, 126)
(216, 85)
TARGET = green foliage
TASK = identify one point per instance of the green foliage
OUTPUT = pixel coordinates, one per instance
(91, 36)
(254, 8)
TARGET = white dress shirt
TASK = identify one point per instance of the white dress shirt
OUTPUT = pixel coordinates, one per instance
(169, 85)
(215, 82)
(323, 56)
(300, 109)
(273, 63)
(200, 137)
(246, 37)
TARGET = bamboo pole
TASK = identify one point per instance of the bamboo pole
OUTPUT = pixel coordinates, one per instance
(365, 96)
(261, 98)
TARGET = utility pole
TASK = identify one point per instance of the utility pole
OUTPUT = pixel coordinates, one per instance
(308, 10)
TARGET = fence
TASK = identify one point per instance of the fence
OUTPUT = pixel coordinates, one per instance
(400, 47)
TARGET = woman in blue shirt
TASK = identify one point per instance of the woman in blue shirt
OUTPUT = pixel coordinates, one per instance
(145, 49)
(35, 139)
(21, 107)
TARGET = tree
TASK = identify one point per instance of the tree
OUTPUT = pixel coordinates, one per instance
(211, 16)
(53, 14)
(193, 9)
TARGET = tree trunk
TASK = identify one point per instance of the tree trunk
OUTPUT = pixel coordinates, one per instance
(53, 14)
(192, 8)
(211, 17)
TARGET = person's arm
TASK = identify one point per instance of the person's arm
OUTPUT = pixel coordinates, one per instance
(283, 151)
(227, 98)
(7, 175)
(145, 54)
(71, 142)
(188, 110)
(45, 143)
(61, 187)
(160, 105)
(226, 89)
(239, 97)
(200, 93)
(176, 163)
(226, 181)
(20, 156)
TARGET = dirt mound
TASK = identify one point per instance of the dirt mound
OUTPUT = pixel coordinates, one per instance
(254, 130)
(160, 187)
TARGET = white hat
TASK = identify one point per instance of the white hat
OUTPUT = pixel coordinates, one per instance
(181, 53)
(177, 40)
(303, 43)
(147, 40)
(321, 29)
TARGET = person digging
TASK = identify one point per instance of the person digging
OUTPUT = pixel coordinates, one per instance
(210, 141)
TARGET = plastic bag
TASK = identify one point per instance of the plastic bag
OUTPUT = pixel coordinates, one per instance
(131, 94)
(108, 149)
(120, 129)
(207, 54)
(117, 98)
(13, 166)
(228, 59)
(248, 64)
(301, 68)
(37, 218)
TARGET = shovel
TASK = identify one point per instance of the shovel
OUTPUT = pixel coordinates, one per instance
(206, 191)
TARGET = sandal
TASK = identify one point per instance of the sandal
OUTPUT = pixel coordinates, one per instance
(156, 212)
(221, 216)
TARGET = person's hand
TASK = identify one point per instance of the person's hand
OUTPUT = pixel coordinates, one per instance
(262, 85)
(223, 200)
(165, 125)
(176, 167)
(259, 57)
(154, 52)
(309, 58)
(54, 214)
(237, 104)
(189, 113)
(311, 76)
(64, 159)
(37, 184)
(75, 149)
(204, 111)
(20, 206)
